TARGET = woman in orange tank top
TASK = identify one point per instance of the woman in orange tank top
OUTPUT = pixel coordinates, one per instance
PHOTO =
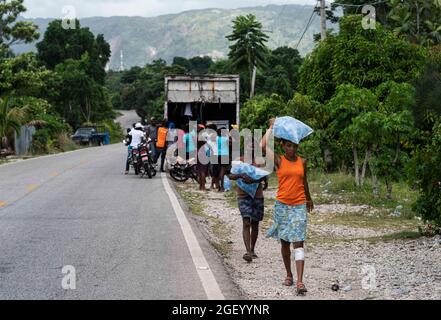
(292, 204)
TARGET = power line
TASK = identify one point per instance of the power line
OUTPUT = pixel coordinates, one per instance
(311, 18)
(356, 5)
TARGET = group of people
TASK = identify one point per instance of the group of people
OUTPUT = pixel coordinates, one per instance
(156, 135)
(293, 201)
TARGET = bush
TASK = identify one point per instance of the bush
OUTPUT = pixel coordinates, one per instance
(115, 130)
(64, 143)
(427, 171)
(42, 142)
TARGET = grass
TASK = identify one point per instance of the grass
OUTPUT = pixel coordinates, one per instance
(193, 200)
(361, 220)
(328, 189)
(232, 198)
(340, 188)
(221, 233)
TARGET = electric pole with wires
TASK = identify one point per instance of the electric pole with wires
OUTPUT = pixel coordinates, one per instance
(323, 19)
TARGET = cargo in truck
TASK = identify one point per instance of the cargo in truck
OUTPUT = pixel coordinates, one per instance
(207, 99)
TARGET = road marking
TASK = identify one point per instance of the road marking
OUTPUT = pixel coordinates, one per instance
(208, 280)
(32, 187)
(2, 204)
(55, 174)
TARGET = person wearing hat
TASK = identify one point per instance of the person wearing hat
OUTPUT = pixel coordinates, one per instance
(137, 134)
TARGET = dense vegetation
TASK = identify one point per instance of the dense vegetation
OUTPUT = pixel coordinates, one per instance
(56, 90)
(191, 33)
(372, 96)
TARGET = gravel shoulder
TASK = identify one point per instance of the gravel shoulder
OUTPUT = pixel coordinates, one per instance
(366, 251)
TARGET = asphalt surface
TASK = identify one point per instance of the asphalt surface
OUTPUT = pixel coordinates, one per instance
(120, 233)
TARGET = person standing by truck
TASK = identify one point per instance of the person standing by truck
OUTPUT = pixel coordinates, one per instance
(223, 150)
(151, 132)
(161, 144)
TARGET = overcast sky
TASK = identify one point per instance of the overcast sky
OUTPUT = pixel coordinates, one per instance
(146, 8)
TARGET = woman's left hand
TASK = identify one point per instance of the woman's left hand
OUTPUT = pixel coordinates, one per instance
(309, 206)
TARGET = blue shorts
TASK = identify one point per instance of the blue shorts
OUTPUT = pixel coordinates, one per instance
(252, 208)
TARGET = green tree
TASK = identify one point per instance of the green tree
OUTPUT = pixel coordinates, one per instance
(59, 45)
(418, 20)
(81, 99)
(255, 113)
(364, 58)
(425, 171)
(426, 174)
(13, 31)
(249, 49)
(10, 121)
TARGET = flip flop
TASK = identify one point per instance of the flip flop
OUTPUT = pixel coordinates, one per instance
(247, 257)
(301, 289)
(288, 282)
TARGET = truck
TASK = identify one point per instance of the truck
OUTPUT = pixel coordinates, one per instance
(91, 135)
(208, 99)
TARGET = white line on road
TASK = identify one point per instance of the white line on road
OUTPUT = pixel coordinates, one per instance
(208, 280)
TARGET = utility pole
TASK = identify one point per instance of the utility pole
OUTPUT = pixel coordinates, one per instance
(121, 67)
(253, 82)
(323, 18)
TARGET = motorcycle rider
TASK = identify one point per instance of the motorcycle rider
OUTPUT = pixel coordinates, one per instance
(137, 135)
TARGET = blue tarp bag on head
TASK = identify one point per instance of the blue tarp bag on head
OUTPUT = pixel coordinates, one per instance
(291, 129)
(239, 167)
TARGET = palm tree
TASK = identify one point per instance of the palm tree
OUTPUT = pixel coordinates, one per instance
(10, 120)
(248, 51)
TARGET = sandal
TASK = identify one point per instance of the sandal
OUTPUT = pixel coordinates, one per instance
(288, 282)
(247, 257)
(301, 289)
(254, 255)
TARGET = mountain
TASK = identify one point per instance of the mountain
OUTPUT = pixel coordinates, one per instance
(191, 33)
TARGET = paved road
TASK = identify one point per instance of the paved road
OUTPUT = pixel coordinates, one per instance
(119, 232)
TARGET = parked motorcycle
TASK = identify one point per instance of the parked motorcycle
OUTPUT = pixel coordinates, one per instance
(145, 161)
(182, 170)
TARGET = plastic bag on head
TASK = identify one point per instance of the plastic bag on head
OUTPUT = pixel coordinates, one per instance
(291, 129)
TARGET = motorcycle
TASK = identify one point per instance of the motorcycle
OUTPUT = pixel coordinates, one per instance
(183, 170)
(144, 160)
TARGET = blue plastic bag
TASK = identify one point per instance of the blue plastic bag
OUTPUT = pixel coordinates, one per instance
(227, 183)
(239, 167)
(291, 129)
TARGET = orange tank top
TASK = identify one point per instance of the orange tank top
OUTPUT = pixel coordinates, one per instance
(162, 137)
(291, 182)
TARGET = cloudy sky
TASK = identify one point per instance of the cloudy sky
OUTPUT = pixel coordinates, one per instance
(146, 8)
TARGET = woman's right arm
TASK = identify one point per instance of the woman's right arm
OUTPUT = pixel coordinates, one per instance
(270, 154)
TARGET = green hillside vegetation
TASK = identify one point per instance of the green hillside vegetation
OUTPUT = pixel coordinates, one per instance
(191, 33)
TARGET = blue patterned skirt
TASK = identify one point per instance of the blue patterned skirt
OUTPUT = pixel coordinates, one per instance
(289, 223)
